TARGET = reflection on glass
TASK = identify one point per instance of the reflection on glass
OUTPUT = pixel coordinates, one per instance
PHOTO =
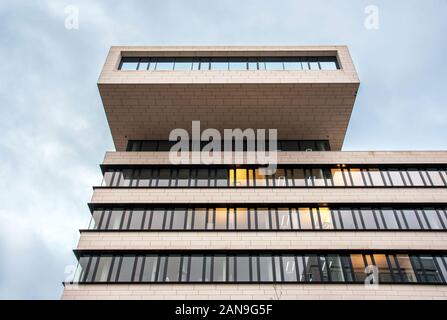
(243, 268)
(126, 269)
(221, 218)
(219, 268)
(265, 268)
(263, 218)
(337, 177)
(326, 218)
(305, 218)
(289, 268)
(242, 218)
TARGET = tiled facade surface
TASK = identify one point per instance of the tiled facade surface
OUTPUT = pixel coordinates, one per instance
(312, 104)
(314, 157)
(269, 240)
(254, 291)
(270, 195)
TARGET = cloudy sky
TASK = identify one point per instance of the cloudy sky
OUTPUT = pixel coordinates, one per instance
(53, 128)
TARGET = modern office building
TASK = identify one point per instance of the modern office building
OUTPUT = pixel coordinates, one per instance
(328, 224)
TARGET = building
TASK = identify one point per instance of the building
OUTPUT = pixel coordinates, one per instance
(327, 225)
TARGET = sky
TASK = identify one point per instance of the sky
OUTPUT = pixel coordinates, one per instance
(54, 131)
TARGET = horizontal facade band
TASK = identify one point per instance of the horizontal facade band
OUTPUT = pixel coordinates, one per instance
(263, 267)
(285, 157)
(262, 240)
(283, 177)
(261, 196)
(253, 291)
(272, 218)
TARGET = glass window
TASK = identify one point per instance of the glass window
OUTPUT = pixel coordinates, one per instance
(125, 273)
(297, 178)
(337, 177)
(312, 268)
(196, 270)
(238, 65)
(318, 177)
(182, 177)
(435, 177)
(145, 177)
(396, 177)
(432, 274)
(219, 268)
(347, 219)
(305, 218)
(199, 219)
(289, 268)
(433, 219)
(411, 218)
(164, 176)
(292, 65)
(115, 219)
(144, 64)
(274, 65)
(243, 268)
(313, 64)
(221, 177)
(289, 145)
(136, 219)
(328, 65)
(390, 219)
(252, 66)
(202, 178)
(284, 218)
(164, 65)
(221, 218)
(406, 268)
(359, 267)
(178, 219)
(326, 218)
(80, 273)
(260, 179)
(384, 270)
(357, 179)
(157, 219)
(376, 177)
(265, 268)
(182, 65)
(242, 218)
(263, 217)
(103, 269)
(95, 220)
(218, 64)
(173, 268)
(125, 177)
(107, 180)
(415, 177)
(368, 218)
(129, 64)
(335, 268)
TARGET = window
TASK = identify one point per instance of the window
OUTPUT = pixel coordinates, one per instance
(157, 219)
(263, 217)
(196, 269)
(326, 218)
(289, 268)
(243, 268)
(347, 219)
(125, 271)
(129, 64)
(173, 269)
(136, 219)
(219, 268)
(265, 268)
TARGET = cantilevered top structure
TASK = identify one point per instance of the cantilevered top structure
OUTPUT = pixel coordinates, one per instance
(306, 92)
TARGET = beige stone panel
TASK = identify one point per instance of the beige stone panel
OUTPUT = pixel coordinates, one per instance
(267, 240)
(314, 157)
(269, 195)
(254, 291)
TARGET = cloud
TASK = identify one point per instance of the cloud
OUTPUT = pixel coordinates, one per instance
(54, 130)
